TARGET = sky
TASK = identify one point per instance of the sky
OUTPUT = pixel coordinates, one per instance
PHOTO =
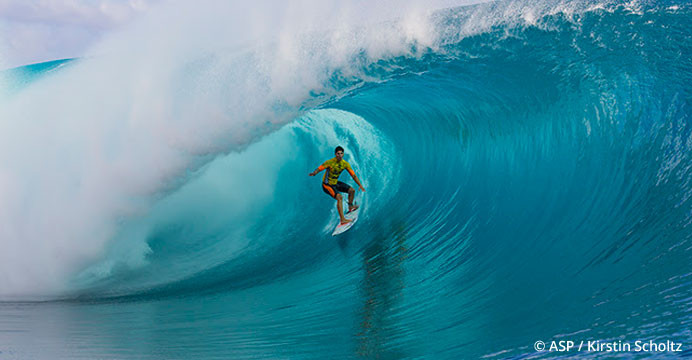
(34, 31)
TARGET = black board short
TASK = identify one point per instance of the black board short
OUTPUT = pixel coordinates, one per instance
(332, 189)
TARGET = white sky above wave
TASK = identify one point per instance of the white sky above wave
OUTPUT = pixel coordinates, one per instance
(33, 31)
(40, 30)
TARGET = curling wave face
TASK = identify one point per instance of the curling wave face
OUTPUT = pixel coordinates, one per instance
(527, 175)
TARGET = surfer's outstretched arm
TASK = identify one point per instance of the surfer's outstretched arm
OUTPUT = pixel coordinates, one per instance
(355, 178)
(322, 167)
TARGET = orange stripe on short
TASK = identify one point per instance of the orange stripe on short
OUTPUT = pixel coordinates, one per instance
(329, 189)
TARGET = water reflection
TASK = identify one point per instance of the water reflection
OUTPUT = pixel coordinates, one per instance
(382, 287)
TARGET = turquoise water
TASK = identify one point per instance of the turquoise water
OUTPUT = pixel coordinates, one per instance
(526, 181)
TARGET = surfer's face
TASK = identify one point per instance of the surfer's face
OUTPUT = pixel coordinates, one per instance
(339, 155)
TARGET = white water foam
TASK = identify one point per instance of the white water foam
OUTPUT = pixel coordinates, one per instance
(97, 142)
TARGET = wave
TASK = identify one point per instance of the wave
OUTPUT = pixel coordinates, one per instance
(523, 156)
(115, 133)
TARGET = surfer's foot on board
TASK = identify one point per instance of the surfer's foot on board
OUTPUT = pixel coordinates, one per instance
(346, 221)
(352, 207)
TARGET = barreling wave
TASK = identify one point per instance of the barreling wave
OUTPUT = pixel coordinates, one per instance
(525, 157)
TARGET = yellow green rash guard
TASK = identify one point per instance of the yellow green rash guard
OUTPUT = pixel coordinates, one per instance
(334, 169)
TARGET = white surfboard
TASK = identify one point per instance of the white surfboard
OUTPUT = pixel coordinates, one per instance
(341, 228)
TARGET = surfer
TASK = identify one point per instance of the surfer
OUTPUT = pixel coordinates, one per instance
(331, 184)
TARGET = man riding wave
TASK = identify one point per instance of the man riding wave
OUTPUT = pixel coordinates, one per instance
(331, 184)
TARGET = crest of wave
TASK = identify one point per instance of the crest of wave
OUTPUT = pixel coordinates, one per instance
(95, 143)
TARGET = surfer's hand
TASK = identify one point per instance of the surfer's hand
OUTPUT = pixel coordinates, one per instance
(362, 188)
(312, 173)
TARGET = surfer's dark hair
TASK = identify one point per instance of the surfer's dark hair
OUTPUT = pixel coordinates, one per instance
(338, 148)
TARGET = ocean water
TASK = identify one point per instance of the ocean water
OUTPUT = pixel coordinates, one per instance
(527, 170)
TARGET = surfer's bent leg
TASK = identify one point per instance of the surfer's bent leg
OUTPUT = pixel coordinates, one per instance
(332, 190)
(340, 208)
(351, 193)
(345, 188)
